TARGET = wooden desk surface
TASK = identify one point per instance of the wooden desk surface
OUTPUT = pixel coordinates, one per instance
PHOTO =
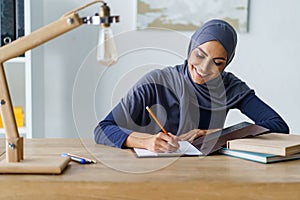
(118, 174)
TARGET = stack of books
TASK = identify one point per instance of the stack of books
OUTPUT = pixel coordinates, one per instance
(266, 148)
(19, 115)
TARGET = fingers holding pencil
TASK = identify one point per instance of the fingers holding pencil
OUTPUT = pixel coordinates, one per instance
(163, 141)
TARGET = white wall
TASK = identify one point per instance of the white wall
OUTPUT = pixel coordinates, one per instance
(267, 56)
(75, 87)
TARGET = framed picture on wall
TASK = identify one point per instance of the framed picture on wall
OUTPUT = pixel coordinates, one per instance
(189, 15)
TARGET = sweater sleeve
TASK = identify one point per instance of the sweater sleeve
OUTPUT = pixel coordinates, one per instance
(262, 114)
(109, 133)
(125, 117)
(130, 114)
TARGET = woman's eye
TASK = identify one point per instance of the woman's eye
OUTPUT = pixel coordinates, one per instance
(219, 63)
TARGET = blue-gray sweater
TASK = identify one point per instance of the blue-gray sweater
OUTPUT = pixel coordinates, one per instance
(115, 128)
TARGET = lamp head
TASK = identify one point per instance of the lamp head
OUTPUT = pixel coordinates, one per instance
(106, 49)
(105, 14)
(102, 18)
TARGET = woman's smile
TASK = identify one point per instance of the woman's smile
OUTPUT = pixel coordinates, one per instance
(199, 73)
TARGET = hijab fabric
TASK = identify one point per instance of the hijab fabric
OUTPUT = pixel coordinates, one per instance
(217, 30)
(226, 90)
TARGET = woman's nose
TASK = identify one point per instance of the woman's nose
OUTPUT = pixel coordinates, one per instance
(204, 66)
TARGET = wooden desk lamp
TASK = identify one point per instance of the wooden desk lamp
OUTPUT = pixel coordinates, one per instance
(15, 162)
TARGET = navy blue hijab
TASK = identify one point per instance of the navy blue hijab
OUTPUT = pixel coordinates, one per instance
(217, 30)
(225, 91)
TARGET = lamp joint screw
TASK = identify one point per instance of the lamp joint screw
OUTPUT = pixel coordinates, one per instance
(12, 145)
(2, 102)
(70, 21)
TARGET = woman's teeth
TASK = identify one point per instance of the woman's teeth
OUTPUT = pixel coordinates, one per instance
(201, 74)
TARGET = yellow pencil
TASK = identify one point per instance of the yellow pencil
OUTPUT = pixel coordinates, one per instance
(156, 120)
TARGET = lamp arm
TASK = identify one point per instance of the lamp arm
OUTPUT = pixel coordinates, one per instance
(19, 47)
(8, 121)
(39, 36)
(68, 22)
(15, 49)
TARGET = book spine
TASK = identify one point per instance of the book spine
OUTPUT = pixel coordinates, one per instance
(20, 20)
(7, 21)
(256, 148)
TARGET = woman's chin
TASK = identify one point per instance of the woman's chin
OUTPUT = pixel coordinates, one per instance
(199, 80)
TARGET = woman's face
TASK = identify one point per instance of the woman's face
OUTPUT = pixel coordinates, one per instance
(207, 61)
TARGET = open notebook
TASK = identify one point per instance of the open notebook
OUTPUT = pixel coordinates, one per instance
(185, 149)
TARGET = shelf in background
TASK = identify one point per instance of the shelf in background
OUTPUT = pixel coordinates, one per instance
(17, 60)
(22, 92)
(22, 131)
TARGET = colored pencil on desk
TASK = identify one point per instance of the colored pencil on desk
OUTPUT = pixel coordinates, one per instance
(156, 120)
(79, 159)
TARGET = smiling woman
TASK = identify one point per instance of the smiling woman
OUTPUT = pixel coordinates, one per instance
(189, 99)
(207, 61)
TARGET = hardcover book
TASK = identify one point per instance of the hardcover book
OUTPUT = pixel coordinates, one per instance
(258, 157)
(271, 143)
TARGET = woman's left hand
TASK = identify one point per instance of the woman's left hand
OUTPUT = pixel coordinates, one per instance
(192, 135)
(195, 133)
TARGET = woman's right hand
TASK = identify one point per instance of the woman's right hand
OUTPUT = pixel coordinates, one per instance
(162, 142)
(159, 142)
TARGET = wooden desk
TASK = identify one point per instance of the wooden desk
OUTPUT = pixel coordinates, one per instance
(120, 175)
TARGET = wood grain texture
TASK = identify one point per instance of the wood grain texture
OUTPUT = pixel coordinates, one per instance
(118, 174)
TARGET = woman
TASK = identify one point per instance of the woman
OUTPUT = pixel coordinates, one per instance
(189, 99)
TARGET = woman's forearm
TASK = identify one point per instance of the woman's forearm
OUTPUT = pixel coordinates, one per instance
(138, 140)
(263, 115)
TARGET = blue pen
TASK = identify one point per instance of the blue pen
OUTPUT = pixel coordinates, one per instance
(79, 159)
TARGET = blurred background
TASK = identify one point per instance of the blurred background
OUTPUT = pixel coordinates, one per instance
(71, 92)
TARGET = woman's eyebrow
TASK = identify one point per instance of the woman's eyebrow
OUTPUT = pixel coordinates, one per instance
(202, 51)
